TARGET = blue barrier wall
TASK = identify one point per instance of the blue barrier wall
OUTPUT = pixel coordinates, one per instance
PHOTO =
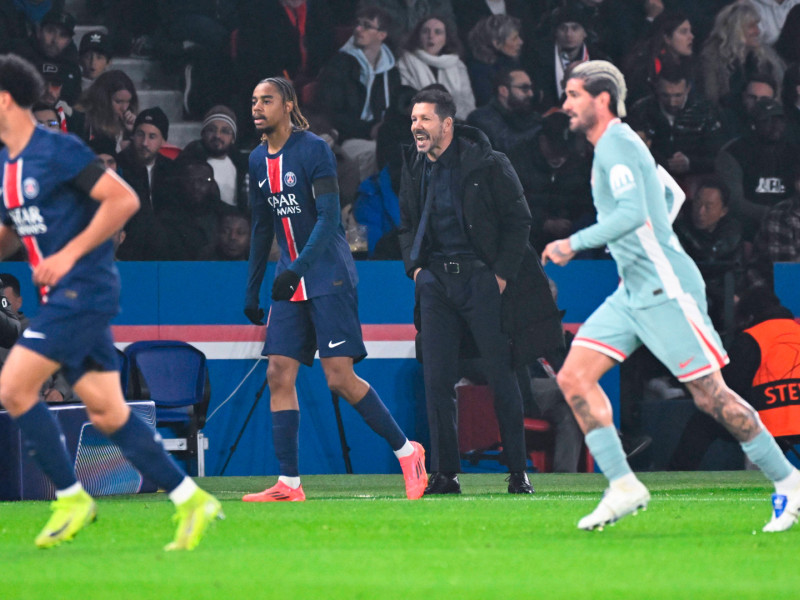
(189, 294)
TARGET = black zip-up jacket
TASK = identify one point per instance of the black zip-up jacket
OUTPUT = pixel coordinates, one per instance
(497, 225)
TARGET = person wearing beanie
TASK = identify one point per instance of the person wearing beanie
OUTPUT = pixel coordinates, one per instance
(217, 146)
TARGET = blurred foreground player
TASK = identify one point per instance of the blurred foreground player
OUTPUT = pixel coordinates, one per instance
(294, 194)
(64, 207)
(660, 303)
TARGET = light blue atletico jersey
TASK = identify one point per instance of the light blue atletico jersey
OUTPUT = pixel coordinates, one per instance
(636, 202)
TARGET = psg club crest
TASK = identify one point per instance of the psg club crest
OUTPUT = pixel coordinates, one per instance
(30, 188)
(290, 179)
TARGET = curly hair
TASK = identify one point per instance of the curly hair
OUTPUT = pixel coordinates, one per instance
(489, 33)
(452, 44)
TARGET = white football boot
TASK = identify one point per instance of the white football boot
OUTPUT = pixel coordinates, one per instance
(620, 499)
(785, 508)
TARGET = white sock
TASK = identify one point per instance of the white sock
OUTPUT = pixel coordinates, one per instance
(72, 490)
(625, 482)
(292, 482)
(406, 450)
(184, 491)
(788, 484)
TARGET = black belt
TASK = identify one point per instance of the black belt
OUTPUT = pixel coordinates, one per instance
(455, 267)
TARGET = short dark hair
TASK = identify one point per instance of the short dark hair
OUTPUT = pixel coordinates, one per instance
(11, 281)
(445, 107)
(20, 78)
(672, 72)
(762, 77)
(503, 77)
(374, 12)
(715, 182)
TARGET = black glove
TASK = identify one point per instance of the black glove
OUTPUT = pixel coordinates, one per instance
(255, 314)
(285, 285)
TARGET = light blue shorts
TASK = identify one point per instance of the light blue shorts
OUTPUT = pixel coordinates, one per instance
(678, 332)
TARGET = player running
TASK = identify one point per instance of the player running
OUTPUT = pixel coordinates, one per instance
(64, 206)
(660, 303)
(294, 194)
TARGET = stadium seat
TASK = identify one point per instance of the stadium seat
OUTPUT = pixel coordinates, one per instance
(479, 433)
(174, 376)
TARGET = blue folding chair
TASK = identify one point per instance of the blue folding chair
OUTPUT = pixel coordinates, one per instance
(174, 376)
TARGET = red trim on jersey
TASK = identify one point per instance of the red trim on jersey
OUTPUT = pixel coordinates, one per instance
(275, 174)
(14, 198)
(291, 243)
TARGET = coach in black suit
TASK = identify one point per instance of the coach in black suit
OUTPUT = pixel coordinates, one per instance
(464, 238)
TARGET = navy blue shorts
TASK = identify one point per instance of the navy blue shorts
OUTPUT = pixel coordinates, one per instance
(79, 340)
(329, 323)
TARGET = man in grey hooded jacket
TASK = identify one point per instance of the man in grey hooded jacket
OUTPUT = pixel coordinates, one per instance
(355, 86)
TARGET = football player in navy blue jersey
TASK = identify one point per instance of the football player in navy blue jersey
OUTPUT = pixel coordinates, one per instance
(294, 195)
(64, 207)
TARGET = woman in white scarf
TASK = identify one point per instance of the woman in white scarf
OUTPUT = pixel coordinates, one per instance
(432, 55)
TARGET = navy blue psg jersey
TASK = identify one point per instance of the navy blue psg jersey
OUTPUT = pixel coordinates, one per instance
(284, 195)
(45, 199)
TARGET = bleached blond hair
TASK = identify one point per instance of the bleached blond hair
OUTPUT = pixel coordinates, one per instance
(602, 76)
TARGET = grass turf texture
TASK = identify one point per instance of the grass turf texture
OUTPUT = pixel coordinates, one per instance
(358, 537)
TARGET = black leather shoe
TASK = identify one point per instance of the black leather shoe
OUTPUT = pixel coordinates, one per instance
(518, 483)
(442, 483)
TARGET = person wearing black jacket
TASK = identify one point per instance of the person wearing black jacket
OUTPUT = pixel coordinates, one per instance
(464, 240)
(9, 321)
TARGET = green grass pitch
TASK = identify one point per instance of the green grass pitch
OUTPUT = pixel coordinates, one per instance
(358, 537)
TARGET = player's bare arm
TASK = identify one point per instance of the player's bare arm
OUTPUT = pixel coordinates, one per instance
(559, 252)
(9, 241)
(118, 203)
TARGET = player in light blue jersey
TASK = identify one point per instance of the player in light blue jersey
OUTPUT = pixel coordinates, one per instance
(660, 303)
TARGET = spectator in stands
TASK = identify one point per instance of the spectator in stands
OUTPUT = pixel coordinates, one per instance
(56, 388)
(778, 239)
(358, 83)
(758, 166)
(15, 25)
(191, 216)
(46, 116)
(554, 169)
(566, 45)
(95, 56)
(395, 132)
(788, 44)
(149, 173)
(773, 15)
(233, 238)
(670, 42)
(289, 38)
(684, 135)
(527, 12)
(108, 109)
(52, 42)
(106, 151)
(763, 365)
(509, 118)
(734, 51)
(713, 238)
(406, 15)
(217, 146)
(433, 55)
(791, 102)
(737, 112)
(194, 39)
(495, 44)
(51, 95)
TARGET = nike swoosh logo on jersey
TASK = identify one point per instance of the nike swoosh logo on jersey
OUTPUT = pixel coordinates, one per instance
(261, 183)
(30, 333)
(332, 345)
(683, 365)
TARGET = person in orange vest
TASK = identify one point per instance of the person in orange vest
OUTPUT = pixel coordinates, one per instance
(764, 370)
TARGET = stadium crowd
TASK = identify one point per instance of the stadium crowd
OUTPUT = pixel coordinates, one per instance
(714, 90)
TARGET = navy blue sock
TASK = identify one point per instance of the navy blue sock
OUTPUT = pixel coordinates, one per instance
(45, 443)
(377, 416)
(142, 446)
(285, 438)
